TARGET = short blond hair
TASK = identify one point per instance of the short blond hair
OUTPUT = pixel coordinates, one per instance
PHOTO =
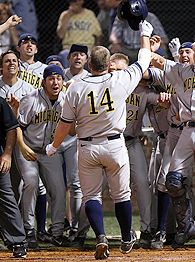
(120, 56)
(99, 58)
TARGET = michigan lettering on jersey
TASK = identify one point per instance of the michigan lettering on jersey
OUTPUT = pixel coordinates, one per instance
(30, 78)
(47, 116)
(189, 83)
(134, 100)
(79, 25)
(170, 89)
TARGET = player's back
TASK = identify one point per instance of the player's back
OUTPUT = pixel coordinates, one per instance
(100, 103)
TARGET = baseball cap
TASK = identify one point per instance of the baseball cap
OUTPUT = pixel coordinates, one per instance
(53, 70)
(160, 51)
(54, 58)
(27, 36)
(186, 45)
(78, 48)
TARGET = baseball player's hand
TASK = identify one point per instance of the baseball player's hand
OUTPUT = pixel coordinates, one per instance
(155, 41)
(50, 150)
(164, 99)
(28, 153)
(145, 28)
(174, 46)
(14, 102)
(13, 21)
(5, 163)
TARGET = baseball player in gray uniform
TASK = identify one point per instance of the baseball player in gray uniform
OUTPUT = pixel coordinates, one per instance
(10, 84)
(30, 71)
(166, 228)
(178, 180)
(39, 113)
(97, 104)
(77, 58)
(137, 103)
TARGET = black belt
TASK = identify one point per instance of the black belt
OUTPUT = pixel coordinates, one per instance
(89, 138)
(127, 138)
(180, 127)
(163, 136)
(189, 123)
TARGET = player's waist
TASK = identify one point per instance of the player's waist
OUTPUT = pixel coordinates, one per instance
(90, 138)
(189, 123)
(180, 127)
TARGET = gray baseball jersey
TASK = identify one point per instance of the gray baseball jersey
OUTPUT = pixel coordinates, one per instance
(32, 73)
(69, 76)
(19, 89)
(159, 77)
(39, 118)
(100, 101)
(136, 105)
(182, 78)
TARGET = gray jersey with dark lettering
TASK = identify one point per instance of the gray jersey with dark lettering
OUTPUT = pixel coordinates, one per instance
(38, 118)
(136, 105)
(32, 73)
(98, 102)
(183, 79)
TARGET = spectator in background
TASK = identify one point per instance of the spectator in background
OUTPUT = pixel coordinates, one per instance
(112, 4)
(104, 20)
(9, 38)
(125, 40)
(77, 25)
(25, 9)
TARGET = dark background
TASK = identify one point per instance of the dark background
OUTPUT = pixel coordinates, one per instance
(176, 16)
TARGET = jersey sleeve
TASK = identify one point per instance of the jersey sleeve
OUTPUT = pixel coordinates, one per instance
(69, 108)
(131, 77)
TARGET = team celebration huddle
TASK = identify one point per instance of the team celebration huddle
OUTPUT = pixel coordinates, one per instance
(71, 128)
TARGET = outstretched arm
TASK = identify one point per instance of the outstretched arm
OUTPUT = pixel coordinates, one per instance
(62, 130)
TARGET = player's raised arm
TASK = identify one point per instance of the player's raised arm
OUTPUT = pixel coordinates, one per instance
(10, 22)
(144, 55)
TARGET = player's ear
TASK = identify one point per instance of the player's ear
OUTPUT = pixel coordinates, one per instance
(36, 51)
(43, 82)
(18, 48)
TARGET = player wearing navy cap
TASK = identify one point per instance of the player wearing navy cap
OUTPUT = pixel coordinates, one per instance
(40, 112)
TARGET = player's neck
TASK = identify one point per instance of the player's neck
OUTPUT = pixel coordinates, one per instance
(76, 71)
(9, 80)
(29, 60)
(98, 73)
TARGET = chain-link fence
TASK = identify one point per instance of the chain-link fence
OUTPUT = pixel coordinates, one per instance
(176, 16)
